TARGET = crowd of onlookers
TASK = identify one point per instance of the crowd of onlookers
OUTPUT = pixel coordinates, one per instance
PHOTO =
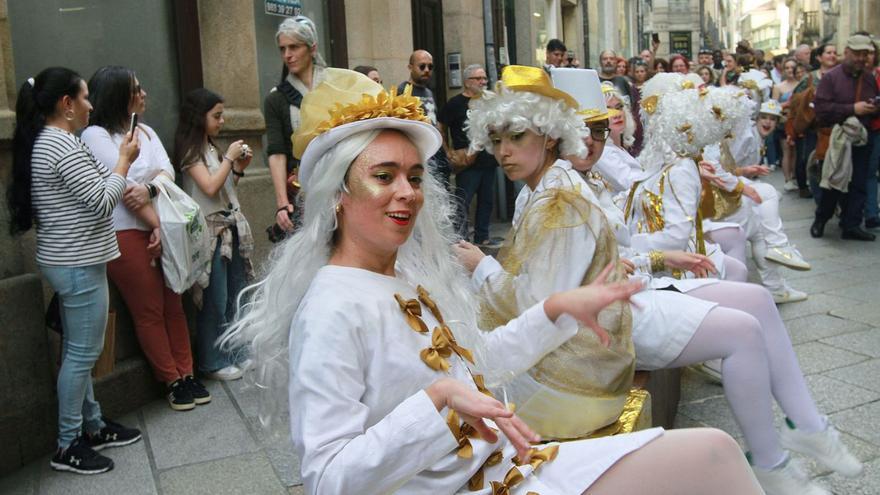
(802, 135)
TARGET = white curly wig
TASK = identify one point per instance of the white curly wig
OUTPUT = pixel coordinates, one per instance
(629, 122)
(517, 111)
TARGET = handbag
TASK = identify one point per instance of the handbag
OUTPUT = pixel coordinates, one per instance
(801, 113)
(186, 248)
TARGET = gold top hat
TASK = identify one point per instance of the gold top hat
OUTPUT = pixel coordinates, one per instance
(347, 102)
(534, 80)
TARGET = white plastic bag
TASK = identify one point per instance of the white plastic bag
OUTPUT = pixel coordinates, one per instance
(185, 239)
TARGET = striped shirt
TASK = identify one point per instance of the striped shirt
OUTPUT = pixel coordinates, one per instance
(73, 195)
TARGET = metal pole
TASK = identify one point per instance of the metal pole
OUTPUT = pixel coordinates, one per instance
(489, 35)
(585, 10)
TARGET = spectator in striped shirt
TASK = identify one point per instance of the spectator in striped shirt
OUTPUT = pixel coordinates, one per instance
(60, 187)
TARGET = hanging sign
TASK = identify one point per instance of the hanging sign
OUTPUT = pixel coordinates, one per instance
(285, 8)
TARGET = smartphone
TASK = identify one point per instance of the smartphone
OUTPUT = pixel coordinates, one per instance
(655, 37)
(876, 101)
(134, 123)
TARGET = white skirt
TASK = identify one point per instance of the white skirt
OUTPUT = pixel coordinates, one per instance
(664, 321)
(577, 465)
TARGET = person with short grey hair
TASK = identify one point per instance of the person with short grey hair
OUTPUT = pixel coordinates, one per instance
(297, 39)
(802, 54)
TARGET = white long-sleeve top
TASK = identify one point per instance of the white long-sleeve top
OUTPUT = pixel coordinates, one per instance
(360, 419)
(152, 160)
(618, 167)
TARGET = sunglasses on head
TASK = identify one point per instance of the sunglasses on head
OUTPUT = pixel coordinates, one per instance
(429, 66)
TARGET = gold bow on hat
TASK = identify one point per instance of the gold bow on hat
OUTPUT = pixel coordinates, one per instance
(533, 80)
(345, 97)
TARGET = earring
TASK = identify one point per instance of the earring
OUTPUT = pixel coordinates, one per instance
(338, 208)
(71, 115)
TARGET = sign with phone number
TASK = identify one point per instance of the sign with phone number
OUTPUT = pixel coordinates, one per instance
(285, 8)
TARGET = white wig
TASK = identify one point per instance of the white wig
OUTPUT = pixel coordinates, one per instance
(517, 111)
(267, 308)
(629, 122)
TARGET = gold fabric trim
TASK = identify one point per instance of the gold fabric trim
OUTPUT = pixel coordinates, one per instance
(403, 106)
(462, 432)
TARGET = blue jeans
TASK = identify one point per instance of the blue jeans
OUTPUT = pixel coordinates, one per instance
(218, 308)
(84, 298)
(871, 208)
(852, 202)
(479, 181)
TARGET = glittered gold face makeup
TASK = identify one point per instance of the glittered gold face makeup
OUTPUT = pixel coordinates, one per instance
(384, 193)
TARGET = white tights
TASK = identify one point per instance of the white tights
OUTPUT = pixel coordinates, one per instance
(692, 461)
(758, 364)
(732, 241)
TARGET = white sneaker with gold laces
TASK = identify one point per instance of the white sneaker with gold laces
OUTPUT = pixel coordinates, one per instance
(824, 446)
(789, 478)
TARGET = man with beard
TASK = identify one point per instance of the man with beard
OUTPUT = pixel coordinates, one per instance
(845, 91)
(421, 68)
(474, 173)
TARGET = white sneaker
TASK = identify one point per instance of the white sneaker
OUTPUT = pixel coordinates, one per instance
(710, 369)
(824, 446)
(788, 256)
(787, 295)
(791, 185)
(246, 365)
(228, 373)
(787, 479)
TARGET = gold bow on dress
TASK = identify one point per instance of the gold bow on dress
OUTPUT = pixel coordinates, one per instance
(476, 481)
(413, 311)
(462, 432)
(511, 479)
(443, 344)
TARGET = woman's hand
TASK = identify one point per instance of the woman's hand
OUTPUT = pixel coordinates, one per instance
(752, 194)
(628, 266)
(754, 170)
(473, 407)
(700, 265)
(154, 246)
(585, 303)
(468, 255)
(707, 174)
(130, 147)
(233, 152)
(246, 158)
(136, 197)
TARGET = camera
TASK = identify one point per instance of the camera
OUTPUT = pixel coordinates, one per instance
(245, 152)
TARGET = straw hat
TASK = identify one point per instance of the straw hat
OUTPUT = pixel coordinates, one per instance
(348, 102)
(533, 80)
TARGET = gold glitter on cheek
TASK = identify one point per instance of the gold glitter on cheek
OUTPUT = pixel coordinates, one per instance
(362, 183)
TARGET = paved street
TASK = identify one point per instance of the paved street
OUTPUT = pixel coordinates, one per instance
(218, 448)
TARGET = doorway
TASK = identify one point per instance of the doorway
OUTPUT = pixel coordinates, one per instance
(427, 23)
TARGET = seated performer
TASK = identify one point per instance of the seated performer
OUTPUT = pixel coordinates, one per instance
(616, 164)
(751, 204)
(381, 389)
(733, 321)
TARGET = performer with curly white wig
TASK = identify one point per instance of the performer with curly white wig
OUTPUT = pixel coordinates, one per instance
(734, 321)
(754, 375)
(363, 323)
(617, 165)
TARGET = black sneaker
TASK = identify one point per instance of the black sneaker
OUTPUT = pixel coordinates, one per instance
(81, 459)
(198, 391)
(179, 396)
(113, 435)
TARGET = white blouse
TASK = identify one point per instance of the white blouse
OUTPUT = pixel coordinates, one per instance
(152, 160)
(360, 419)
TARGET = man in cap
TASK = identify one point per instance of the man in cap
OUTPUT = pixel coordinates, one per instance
(845, 91)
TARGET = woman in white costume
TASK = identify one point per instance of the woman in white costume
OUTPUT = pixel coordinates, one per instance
(376, 399)
(616, 165)
(733, 321)
(751, 204)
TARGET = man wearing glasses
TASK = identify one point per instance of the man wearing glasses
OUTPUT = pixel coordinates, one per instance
(421, 68)
(474, 174)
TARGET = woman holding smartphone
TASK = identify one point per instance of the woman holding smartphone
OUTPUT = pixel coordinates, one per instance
(60, 187)
(157, 311)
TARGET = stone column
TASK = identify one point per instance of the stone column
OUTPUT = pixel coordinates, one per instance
(229, 67)
(27, 424)
(463, 32)
(380, 34)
